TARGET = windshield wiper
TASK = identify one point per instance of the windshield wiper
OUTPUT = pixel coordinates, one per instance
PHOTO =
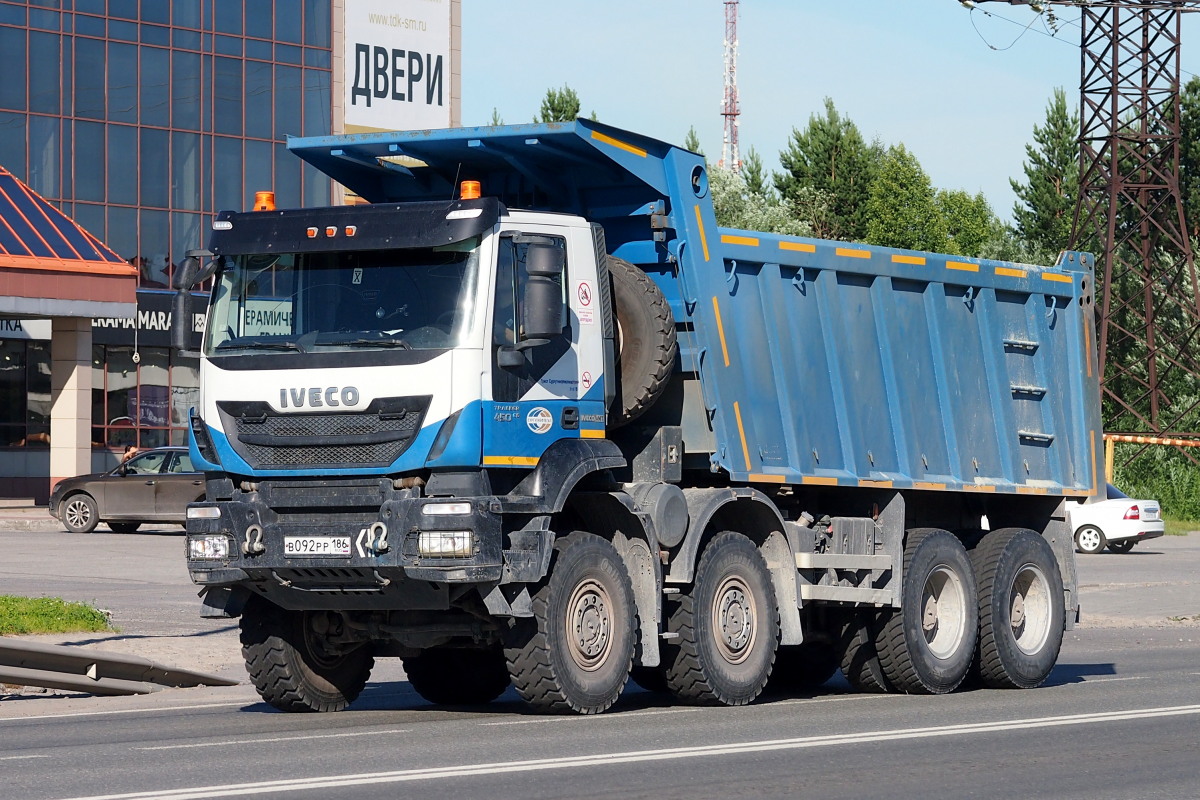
(256, 344)
(359, 340)
(377, 343)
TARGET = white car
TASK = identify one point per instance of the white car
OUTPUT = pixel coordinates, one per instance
(1119, 522)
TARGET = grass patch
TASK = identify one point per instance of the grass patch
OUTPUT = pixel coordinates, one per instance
(20, 615)
(1180, 527)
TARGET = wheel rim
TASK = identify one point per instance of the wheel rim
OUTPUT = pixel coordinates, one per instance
(944, 612)
(733, 615)
(318, 626)
(1030, 609)
(1089, 540)
(78, 514)
(589, 617)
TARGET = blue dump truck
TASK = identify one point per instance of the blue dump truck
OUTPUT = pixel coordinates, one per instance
(527, 416)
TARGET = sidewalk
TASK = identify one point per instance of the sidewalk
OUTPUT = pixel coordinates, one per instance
(20, 514)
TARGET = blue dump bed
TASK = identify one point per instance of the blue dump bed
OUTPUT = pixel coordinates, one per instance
(820, 362)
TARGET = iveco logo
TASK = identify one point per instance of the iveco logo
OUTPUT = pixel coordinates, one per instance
(317, 397)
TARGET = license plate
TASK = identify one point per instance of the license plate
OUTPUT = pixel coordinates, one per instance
(316, 546)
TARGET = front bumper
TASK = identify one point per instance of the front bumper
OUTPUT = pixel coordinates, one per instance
(385, 566)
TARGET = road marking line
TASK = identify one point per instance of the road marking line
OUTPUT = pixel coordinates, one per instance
(19, 758)
(1110, 680)
(127, 711)
(339, 782)
(260, 740)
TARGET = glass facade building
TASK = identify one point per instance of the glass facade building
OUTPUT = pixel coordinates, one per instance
(140, 119)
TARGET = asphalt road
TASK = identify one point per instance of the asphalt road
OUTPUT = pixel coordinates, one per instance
(1118, 718)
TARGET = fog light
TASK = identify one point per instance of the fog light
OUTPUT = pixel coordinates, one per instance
(208, 548)
(446, 544)
(203, 512)
(446, 509)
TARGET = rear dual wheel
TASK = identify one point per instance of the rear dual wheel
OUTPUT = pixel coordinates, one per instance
(1021, 609)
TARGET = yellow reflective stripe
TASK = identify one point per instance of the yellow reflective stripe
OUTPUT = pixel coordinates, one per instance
(600, 137)
(754, 476)
(813, 480)
(1010, 272)
(588, 433)
(927, 485)
(800, 247)
(737, 412)
(1056, 276)
(899, 259)
(746, 240)
(982, 487)
(721, 330)
(703, 238)
(850, 252)
(962, 265)
(510, 461)
(1032, 490)
(875, 484)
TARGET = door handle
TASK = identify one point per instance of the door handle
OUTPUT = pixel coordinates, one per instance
(150, 483)
(197, 483)
(569, 418)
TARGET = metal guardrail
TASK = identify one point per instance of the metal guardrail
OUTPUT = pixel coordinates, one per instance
(94, 671)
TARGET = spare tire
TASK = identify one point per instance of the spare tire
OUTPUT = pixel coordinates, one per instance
(645, 341)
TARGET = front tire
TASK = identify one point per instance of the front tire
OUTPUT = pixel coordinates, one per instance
(79, 513)
(928, 645)
(458, 677)
(575, 653)
(728, 627)
(1021, 609)
(1089, 540)
(291, 663)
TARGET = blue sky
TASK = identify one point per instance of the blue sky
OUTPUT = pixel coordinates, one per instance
(919, 72)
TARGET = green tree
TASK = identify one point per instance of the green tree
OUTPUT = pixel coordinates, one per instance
(737, 206)
(1189, 152)
(754, 174)
(692, 141)
(560, 105)
(970, 223)
(901, 206)
(830, 156)
(496, 118)
(1045, 209)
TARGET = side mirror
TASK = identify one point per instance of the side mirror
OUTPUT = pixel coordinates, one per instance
(541, 311)
(188, 274)
(544, 260)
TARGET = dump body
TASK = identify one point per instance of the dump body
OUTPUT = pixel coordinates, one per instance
(819, 362)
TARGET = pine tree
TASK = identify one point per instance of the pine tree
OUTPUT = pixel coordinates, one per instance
(496, 118)
(1189, 152)
(754, 174)
(1046, 207)
(560, 105)
(901, 208)
(830, 156)
(692, 141)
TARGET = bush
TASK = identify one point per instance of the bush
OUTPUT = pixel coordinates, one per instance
(1160, 473)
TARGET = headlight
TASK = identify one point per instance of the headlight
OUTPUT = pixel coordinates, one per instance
(446, 509)
(446, 544)
(214, 547)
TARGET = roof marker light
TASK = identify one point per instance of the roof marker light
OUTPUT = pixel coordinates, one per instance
(351, 230)
(264, 201)
(469, 190)
(312, 233)
(331, 231)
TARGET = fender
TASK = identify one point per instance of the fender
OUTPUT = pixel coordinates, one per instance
(752, 513)
(560, 469)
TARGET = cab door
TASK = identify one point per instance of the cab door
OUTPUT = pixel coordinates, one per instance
(541, 391)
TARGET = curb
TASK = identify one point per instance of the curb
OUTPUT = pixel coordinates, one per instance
(13, 522)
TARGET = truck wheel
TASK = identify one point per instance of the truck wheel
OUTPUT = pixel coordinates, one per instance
(728, 627)
(1122, 547)
(803, 666)
(575, 653)
(79, 513)
(860, 655)
(1021, 609)
(450, 676)
(927, 646)
(1089, 540)
(646, 344)
(291, 663)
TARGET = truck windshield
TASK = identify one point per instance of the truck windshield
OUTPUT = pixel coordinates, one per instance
(419, 299)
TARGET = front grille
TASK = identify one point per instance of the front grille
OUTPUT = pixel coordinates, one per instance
(374, 437)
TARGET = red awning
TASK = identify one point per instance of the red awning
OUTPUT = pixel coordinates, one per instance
(49, 266)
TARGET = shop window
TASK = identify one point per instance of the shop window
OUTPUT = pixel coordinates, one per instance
(12, 392)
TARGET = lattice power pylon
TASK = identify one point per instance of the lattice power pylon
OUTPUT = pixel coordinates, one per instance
(1130, 209)
(731, 157)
